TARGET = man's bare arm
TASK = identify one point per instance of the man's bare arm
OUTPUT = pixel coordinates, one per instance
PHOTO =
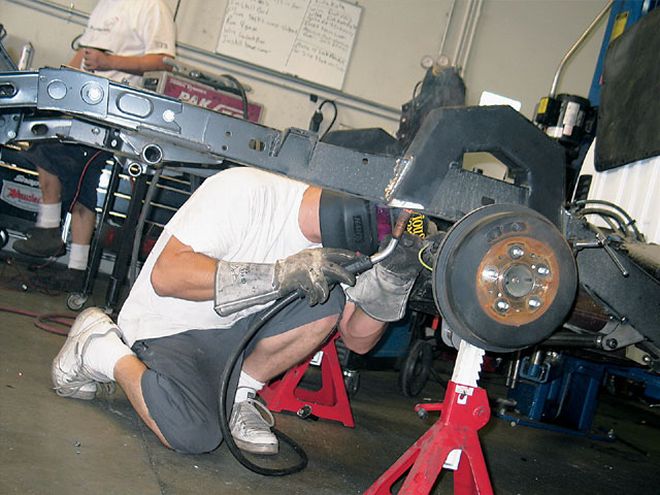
(181, 272)
(139, 64)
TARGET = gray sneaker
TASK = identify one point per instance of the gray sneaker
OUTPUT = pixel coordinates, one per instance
(71, 377)
(251, 430)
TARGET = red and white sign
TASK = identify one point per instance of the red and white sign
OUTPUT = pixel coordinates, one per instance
(207, 97)
(20, 195)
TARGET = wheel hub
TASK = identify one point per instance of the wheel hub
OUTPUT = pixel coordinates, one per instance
(504, 277)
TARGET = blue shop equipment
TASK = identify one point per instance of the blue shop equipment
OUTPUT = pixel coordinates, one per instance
(556, 392)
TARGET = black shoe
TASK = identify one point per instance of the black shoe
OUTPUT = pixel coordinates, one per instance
(42, 243)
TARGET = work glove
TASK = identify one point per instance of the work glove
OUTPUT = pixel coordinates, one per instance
(311, 272)
(383, 291)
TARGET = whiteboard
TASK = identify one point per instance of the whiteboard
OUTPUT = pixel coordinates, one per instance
(310, 39)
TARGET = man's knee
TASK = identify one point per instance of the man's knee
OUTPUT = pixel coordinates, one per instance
(196, 438)
(324, 326)
(314, 331)
(189, 425)
(83, 211)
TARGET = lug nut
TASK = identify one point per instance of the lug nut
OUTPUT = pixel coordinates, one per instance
(534, 303)
(502, 306)
(543, 270)
(516, 252)
(489, 274)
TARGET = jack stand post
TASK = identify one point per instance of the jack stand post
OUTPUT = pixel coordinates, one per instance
(451, 443)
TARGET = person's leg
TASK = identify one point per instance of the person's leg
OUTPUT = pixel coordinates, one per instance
(179, 390)
(83, 221)
(177, 394)
(68, 178)
(128, 373)
(291, 336)
(83, 201)
(83, 205)
(70, 174)
(95, 353)
(173, 382)
(88, 356)
(50, 185)
(250, 421)
(45, 239)
(274, 355)
(288, 338)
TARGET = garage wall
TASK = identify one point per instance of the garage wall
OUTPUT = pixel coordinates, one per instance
(515, 52)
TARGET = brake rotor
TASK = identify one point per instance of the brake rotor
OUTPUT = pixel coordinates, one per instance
(504, 278)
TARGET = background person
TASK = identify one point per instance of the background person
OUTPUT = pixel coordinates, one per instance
(123, 39)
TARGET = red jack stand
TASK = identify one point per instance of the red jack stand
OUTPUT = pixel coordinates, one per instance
(328, 402)
(451, 443)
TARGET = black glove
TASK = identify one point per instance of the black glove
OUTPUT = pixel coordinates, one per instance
(313, 272)
(383, 291)
(404, 260)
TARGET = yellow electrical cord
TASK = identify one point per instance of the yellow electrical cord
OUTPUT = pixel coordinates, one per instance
(421, 261)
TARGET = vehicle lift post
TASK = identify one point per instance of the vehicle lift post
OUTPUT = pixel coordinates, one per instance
(452, 442)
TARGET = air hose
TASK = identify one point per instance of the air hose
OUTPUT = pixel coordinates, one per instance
(224, 386)
(361, 264)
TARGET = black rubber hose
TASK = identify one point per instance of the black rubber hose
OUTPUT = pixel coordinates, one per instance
(361, 264)
(224, 386)
(630, 221)
(608, 214)
(241, 92)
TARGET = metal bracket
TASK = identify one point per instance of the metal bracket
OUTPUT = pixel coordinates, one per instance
(615, 335)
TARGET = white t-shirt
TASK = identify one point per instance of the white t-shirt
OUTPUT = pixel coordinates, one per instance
(240, 214)
(130, 28)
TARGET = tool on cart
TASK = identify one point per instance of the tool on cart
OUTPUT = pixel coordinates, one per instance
(452, 442)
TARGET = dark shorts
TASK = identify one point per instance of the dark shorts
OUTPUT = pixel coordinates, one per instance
(181, 386)
(78, 167)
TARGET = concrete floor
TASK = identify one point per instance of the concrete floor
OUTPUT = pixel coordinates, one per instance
(50, 445)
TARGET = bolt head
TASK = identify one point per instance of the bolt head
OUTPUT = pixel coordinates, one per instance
(534, 302)
(489, 274)
(543, 270)
(516, 252)
(502, 306)
(168, 116)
